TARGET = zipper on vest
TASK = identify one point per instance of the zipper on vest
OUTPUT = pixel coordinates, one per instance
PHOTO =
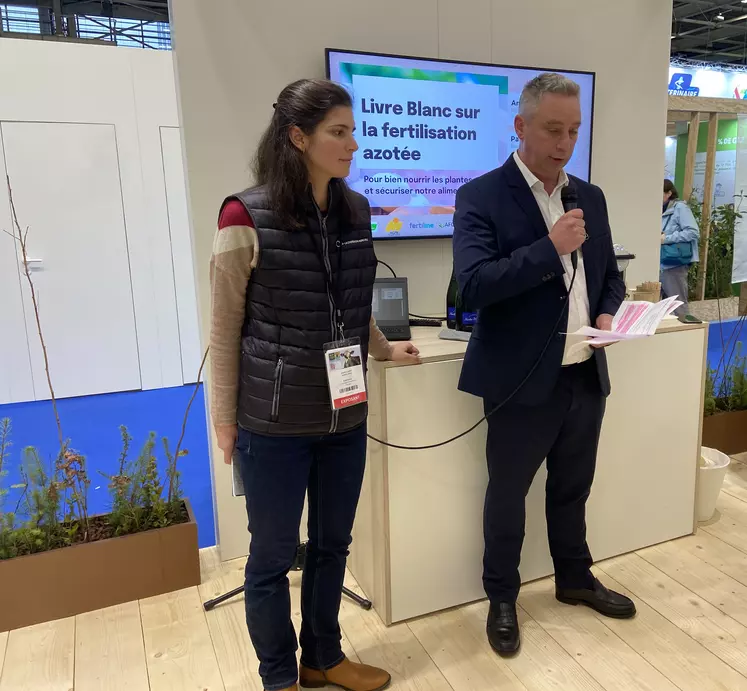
(276, 390)
(328, 267)
(330, 300)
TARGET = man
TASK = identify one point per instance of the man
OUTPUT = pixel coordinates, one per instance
(514, 258)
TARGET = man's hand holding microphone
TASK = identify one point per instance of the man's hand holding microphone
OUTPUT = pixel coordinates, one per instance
(567, 235)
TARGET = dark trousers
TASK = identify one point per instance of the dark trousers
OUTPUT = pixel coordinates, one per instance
(565, 431)
(277, 472)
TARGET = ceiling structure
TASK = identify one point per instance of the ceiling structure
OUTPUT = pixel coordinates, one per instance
(142, 10)
(709, 31)
(703, 31)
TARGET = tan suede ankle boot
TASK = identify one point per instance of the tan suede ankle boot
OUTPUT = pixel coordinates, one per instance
(347, 675)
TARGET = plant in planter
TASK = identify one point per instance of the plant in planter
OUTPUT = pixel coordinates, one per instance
(55, 559)
(725, 405)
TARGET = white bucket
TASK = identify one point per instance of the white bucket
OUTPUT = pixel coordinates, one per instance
(711, 474)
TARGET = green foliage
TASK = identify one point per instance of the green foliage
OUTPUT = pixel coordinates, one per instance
(137, 492)
(738, 392)
(720, 250)
(35, 525)
(4, 449)
(726, 386)
(51, 509)
(709, 407)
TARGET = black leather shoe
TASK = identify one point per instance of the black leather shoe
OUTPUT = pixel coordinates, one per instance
(503, 628)
(599, 598)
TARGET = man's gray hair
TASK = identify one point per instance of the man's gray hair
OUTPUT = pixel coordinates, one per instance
(547, 83)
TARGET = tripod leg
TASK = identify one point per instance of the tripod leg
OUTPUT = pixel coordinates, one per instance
(212, 604)
(362, 602)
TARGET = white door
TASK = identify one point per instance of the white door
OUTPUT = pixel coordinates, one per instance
(66, 186)
(181, 252)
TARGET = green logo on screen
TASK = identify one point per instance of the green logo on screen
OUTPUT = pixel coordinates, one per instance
(374, 226)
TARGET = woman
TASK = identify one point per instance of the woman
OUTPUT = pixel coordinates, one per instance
(293, 269)
(679, 246)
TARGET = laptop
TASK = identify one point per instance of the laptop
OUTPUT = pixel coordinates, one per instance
(391, 308)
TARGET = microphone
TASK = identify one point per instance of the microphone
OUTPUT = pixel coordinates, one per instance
(569, 197)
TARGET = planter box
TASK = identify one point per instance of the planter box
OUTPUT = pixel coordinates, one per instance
(64, 582)
(726, 432)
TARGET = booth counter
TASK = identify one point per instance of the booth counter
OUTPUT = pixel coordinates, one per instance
(418, 540)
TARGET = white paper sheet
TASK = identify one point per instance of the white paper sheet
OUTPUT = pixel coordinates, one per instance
(633, 320)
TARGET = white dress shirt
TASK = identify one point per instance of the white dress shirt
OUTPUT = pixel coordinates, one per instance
(551, 207)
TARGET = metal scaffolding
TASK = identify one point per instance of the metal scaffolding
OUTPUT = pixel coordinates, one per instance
(106, 23)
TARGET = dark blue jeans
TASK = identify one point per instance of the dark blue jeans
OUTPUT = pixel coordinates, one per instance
(277, 472)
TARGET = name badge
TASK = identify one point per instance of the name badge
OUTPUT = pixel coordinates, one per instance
(344, 363)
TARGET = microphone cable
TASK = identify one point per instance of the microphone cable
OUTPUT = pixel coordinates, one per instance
(503, 403)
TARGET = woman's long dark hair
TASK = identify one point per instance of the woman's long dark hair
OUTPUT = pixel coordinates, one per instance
(278, 164)
(669, 187)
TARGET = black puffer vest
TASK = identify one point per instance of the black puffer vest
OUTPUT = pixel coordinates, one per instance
(290, 313)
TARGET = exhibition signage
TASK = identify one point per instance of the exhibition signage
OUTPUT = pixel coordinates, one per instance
(707, 83)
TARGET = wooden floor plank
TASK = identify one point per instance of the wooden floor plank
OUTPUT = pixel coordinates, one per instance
(706, 581)
(542, 665)
(593, 645)
(210, 564)
(731, 527)
(679, 657)
(178, 646)
(109, 650)
(721, 634)
(394, 648)
(227, 623)
(3, 646)
(40, 658)
(463, 658)
(735, 482)
(717, 553)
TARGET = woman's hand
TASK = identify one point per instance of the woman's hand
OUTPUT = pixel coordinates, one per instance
(405, 352)
(663, 238)
(227, 436)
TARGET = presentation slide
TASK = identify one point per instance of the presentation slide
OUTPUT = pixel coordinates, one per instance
(426, 127)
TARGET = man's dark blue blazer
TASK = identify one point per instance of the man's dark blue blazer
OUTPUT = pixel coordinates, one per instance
(509, 270)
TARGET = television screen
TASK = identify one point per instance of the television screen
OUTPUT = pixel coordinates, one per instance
(425, 127)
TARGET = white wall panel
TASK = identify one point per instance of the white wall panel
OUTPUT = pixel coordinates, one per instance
(132, 90)
(154, 98)
(16, 382)
(181, 251)
(67, 191)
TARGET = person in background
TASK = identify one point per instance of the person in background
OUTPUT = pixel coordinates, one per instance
(680, 237)
(293, 266)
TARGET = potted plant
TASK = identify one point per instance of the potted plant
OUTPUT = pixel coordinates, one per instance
(56, 560)
(725, 406)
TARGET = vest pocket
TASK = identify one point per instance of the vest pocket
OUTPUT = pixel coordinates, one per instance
(276, 390)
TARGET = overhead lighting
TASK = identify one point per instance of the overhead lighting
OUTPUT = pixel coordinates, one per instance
(719, 17)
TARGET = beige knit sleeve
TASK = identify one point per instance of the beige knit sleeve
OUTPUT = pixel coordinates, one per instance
(235, 254)
(378, 346)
